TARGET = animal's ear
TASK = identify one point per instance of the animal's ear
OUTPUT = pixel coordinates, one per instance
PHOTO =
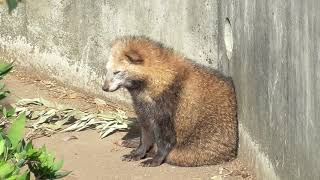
(134, 57)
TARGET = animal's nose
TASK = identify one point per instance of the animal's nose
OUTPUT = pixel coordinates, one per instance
(105, 87)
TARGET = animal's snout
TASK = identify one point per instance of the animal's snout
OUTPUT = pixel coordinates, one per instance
(111, 85)
(114, 80)
(106, 86)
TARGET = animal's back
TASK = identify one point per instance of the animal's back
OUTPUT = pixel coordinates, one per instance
(205, 120)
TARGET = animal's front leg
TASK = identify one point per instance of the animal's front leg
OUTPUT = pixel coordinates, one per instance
(146, 142)
(130, 143)
(164, 139)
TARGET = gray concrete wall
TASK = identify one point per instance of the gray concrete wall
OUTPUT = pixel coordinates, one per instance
(69, 39)
(275, 67)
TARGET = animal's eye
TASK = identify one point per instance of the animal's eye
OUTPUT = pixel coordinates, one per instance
(116, 72)
(134, 57)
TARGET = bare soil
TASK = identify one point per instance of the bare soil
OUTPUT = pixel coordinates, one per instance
(88, 156)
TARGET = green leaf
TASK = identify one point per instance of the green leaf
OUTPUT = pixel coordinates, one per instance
(4, 94)
(10, 111)
(12, 4)
(29, 146)
(24, 176)
(59, 175)
(58, 165)
(5, 67)
(2, 85)
(21, 161)
(14, 177)
(32, 154)
(4, 111)
(6, 169)
(20, 147)
(15, 133)
(1, 134)
(2, 146)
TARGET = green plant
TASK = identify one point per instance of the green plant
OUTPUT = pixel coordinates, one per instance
(5, 111)
(16, 153)
(12, 4)
(5, 68)
(9, 168)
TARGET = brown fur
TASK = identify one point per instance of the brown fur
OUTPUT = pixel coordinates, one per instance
(191, 111)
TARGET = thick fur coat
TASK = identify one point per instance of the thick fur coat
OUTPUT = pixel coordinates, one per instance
(188, 112)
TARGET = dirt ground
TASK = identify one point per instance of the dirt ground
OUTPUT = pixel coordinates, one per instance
(88, 156)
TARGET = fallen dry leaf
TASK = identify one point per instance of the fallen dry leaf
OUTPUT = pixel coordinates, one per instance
(220, 170)
(235, 173)
(239, 173)
(69, 138)
(99, 102)
(62, 96)
(73, 96)
(245, 175)
(216, 177)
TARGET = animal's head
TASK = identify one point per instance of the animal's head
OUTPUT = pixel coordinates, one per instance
(124, 68)
(139, 62)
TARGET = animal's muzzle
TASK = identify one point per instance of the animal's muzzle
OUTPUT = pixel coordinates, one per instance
(106, 86)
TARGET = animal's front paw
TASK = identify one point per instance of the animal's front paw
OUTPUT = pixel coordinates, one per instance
(131, 143)
(150, 163)
(133, 156)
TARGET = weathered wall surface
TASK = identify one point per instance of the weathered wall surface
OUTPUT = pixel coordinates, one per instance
(275, 66)
(69, 39)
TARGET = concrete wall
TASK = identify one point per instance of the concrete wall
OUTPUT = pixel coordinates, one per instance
(271, 49)
(69, 39)
(275, 66)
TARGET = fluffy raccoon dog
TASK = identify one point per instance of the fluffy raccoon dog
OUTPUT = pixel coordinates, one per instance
(187, 112)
